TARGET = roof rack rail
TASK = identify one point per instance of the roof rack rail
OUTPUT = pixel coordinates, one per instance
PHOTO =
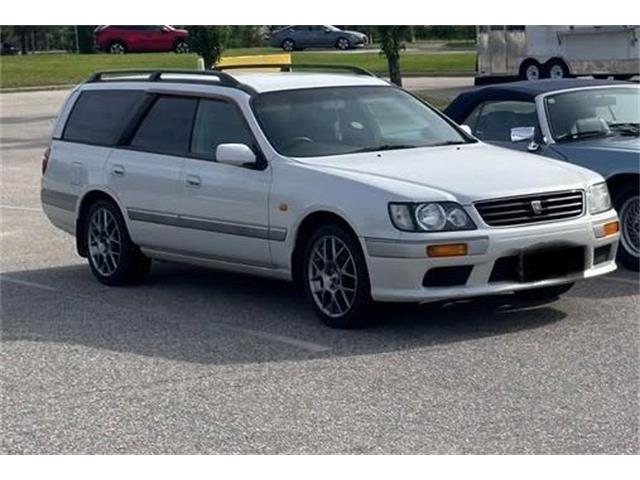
(155, 75)
(289, 67)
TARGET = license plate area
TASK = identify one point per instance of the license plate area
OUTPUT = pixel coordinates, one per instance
(548, 263)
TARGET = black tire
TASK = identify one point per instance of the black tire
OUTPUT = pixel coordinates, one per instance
(288, 45)
(625, 201)
(556, 68)
(117, 48)
(129, 265)
(544, 293)
(528, 65)
(343, 43)
(356, 306)
(181, 46)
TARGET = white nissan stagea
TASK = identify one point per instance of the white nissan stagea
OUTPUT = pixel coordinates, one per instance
(351, 187)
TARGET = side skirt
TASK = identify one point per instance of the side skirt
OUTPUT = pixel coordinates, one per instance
(218, 263)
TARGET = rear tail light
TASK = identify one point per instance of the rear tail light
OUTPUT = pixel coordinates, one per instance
(45, 159)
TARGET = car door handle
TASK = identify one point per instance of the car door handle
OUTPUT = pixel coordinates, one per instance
(118, 170)
(193, 180)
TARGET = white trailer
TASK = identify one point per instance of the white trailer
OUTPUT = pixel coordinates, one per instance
(530, 52)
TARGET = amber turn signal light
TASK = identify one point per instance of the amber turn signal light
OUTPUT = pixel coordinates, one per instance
(447, 250)
(611, 228)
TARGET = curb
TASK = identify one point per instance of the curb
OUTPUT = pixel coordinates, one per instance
(39, 88)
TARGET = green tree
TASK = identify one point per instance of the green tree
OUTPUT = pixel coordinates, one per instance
(209, 42)
(392, 39)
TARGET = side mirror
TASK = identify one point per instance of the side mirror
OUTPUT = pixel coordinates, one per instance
(466, 129)
(522, 134)
(237, 154)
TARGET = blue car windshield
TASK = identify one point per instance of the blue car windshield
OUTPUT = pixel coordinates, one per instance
(593, 112)
(342, 120)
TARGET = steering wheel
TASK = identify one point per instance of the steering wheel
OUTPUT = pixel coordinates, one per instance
(296, 140)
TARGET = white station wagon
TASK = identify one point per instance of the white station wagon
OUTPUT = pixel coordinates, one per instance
(351, 187)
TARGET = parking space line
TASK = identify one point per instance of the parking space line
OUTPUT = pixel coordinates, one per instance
(26, 209)
(273, 337)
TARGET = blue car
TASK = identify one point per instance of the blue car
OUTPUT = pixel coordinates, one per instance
(591, 123)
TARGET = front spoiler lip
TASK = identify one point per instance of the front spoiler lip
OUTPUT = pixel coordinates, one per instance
(434, 294)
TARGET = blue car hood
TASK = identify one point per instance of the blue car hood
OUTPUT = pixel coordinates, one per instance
(607, 155)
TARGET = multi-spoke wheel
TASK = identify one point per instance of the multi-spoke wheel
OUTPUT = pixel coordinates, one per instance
(181, 46)
(627, 202)
(288, 45)
(336, 277)
(113, 257)
(105, 242)
(117, 48)
(343, 44)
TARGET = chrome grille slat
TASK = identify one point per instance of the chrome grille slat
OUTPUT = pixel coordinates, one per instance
(519, 210)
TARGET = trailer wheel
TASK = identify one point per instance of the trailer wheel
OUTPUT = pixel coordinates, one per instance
(530, 70)
(556, 69)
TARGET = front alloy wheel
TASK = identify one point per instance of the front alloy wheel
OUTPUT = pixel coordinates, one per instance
(336, 278)
(630, 232)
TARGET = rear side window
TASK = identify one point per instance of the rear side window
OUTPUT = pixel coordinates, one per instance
(99, 117)
(217, 122)
(167, 126)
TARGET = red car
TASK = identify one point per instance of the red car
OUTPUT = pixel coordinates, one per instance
(119, 39)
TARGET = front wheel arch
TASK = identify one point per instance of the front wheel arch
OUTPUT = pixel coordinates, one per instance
(305, 230)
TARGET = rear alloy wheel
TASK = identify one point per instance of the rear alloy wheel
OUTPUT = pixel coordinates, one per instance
(556, 69)
(627, 202)
(181, 47)
(288, 45)
(343, 44)
(336, 278)
(113, 257)
(117, 48)
(530, 70)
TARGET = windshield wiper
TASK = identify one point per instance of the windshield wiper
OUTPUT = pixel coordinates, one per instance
(580, 135)
(626, 127)
(448, 142)
(380, 148)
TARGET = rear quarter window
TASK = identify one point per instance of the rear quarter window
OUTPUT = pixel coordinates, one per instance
(98, 117)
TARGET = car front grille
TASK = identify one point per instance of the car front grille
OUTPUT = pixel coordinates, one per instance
(543, 207)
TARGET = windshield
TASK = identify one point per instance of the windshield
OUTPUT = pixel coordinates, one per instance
(342, 120)
(593, 113)
(332, 28)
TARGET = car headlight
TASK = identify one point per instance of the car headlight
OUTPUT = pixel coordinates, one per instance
(430, 217)
(598, 198)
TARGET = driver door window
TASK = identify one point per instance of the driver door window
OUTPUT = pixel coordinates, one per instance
(217, 122)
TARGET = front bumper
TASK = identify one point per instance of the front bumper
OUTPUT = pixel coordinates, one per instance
(397, 267)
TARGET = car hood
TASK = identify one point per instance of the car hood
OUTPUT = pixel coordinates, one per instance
(464, 173)
(351, 32)
(619, 144)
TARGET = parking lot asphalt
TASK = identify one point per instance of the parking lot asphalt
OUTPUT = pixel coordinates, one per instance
(199, 361)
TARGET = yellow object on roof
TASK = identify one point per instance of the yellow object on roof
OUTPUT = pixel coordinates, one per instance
(248, 60)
